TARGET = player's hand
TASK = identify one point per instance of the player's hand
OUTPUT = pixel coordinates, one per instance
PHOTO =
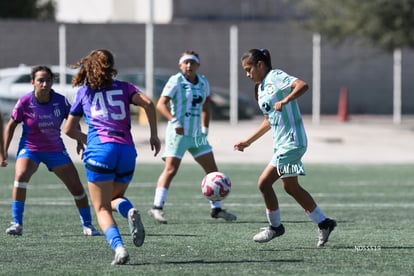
(4, 163)
(80, 148)
(240, 146)
(179, 130)
(155, 144)
(278, 106)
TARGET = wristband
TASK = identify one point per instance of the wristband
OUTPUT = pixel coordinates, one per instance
(204, 130)
(175, 122)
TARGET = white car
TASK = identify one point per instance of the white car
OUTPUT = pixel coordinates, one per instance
(16, 82)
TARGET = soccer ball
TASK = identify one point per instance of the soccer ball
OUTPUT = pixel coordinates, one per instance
(216, 186)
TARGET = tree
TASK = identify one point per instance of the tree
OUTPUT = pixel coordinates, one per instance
(383, 23)
(387, 24)
(35, 9)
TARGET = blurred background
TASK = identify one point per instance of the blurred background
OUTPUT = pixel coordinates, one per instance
(362, 48)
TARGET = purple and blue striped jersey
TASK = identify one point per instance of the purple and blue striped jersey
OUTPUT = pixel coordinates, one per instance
(106, 112)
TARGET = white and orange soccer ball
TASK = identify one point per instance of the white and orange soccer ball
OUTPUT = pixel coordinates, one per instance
(216, 186)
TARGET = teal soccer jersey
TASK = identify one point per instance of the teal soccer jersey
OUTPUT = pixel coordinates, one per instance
(287, 126)
(187, 101)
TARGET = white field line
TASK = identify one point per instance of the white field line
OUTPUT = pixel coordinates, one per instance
(69, 202)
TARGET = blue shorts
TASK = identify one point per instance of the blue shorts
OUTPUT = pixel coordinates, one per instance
(110, 161)
(288, 163)
(176, 145)
(50, 159)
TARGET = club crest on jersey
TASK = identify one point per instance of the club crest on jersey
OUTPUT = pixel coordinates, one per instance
(269, 88)
(57, 112)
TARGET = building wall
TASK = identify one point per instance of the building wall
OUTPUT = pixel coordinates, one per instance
(365, 71)
(105, 11)
(167, 11)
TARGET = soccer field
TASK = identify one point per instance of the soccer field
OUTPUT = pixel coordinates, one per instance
(373, 206)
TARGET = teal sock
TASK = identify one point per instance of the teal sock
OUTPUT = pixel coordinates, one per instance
(85, 216)
(123, 206)
(113, 237)
(17, 211)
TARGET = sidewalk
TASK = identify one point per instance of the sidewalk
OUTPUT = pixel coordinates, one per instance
(361, 140)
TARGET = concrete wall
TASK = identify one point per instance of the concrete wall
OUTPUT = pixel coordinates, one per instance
(365, 71)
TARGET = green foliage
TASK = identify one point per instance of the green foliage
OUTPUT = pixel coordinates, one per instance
(29, 9)
(383, 23)
(372, 205)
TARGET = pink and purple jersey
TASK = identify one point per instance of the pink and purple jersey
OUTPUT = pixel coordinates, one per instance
(106, 112)
(41, 122)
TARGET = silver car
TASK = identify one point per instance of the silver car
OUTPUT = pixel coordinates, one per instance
(16, 82)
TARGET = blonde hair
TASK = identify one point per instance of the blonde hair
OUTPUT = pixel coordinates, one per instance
(96, 70)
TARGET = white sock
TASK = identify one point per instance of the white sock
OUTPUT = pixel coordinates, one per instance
(273, 217)
(317, 216)
(160, 197)
(215, 204)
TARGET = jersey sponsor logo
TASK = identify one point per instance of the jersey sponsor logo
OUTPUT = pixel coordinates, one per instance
(45, 117)
(266, 107)
(45, 124)
(200, 140)
(197, 99)
(294, 169)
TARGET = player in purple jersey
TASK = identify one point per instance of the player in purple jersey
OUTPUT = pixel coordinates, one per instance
(42, 112)
(110, 153)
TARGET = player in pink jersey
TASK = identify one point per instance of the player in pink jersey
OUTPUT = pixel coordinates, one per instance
(41, 113)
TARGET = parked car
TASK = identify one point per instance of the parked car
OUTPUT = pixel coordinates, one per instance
(220, 97)
(16, 82)
(220, 105)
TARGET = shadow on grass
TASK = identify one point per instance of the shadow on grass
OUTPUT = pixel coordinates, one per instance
(173, 235)
(230, 261)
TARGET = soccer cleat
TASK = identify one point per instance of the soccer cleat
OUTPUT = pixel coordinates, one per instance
(136, 227)
(269, 233)
(325, 229)
(14, 229)
(158, 215)
(121, 256)
(90, 230)
(220, 213)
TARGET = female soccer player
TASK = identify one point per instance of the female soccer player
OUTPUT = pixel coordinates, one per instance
(42, 113)
(110, 154)
(184, 103)
(276, 93)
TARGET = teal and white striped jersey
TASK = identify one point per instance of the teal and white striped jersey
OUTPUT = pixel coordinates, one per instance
(187, 101)
(287, 126)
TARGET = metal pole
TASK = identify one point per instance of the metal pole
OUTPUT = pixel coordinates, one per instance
(62, 56)
(234, 75)
(149, 51)
(397, 86)
(316, 78)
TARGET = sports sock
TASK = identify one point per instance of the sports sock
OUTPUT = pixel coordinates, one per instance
(215, 204)
(160, 197)
(17, 211)
(317, 216)
(85, 216)
(123, 206)
(273, 217)
(113, 237)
